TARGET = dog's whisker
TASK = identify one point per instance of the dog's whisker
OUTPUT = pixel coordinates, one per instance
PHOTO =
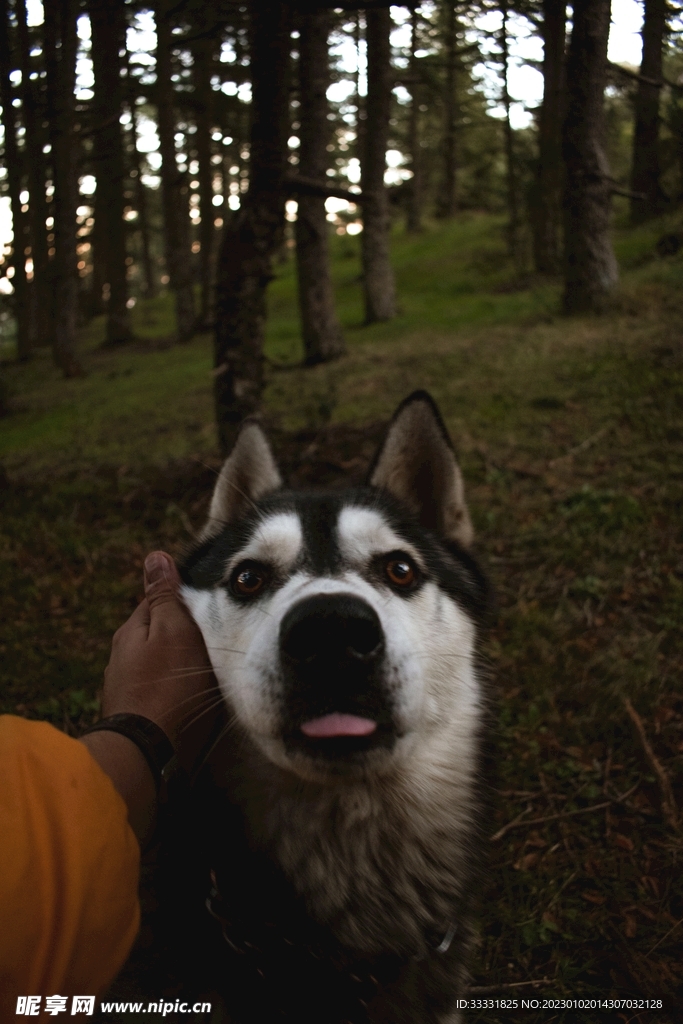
(191, 670)
(200, 714)
(182, 674)
(227, 728)
(198, 699)
(230, 650)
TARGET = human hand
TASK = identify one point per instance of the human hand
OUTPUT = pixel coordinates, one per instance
(159, 667)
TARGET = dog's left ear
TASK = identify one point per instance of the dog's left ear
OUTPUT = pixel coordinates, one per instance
(249, 473)
(417, 464)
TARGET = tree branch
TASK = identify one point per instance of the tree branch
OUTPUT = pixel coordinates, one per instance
(299, 185)
(634, 76)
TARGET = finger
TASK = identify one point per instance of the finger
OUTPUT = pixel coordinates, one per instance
(161, 579)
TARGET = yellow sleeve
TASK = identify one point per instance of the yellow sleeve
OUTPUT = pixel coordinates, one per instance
(69, 866)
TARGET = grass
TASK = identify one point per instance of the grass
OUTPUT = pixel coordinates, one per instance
(570, 433)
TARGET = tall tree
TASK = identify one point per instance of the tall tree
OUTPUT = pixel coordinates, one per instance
(415, 197)
(448, 200)
(34, 139)
(173, 184)
(252, 236)
(21, 243)
(108, 28)
(648, 197)
(322, 335)
(510, 162)
(203, 51)
(378, 275)
(148, 278)
(547, 204)
(60, 42)
(591, 271)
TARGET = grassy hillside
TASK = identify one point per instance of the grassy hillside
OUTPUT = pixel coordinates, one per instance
(570, 434)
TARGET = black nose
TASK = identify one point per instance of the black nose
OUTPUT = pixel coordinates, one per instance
(333, 628)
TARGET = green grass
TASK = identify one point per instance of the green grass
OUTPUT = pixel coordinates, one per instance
(570, 433)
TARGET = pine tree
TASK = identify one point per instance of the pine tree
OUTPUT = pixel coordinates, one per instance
(60, 42)
(253, 235)
(322, 335)
(378, 274)
(108, 39)
(23, 307)
(591, 271)
(173, 185)
(547, 205)
(648, 197)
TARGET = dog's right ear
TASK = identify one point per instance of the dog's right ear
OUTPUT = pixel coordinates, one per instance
(247, 475)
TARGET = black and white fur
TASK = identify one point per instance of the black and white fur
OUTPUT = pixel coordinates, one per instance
(362, 849)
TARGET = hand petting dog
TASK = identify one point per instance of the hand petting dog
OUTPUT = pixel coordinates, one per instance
(158, 669)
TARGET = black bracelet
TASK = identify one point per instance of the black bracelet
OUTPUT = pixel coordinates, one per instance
(149, 737)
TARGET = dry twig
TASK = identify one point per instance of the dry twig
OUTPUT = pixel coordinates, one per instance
(487, 990)
(556, 817)
(669, 808)
(581, 447)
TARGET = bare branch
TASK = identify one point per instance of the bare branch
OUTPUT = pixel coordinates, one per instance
(634, 76)
(299, 185)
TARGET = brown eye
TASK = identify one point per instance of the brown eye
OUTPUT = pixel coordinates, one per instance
(248, 580)
(400, 572)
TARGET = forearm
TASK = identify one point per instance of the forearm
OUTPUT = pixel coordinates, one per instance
(125, 764)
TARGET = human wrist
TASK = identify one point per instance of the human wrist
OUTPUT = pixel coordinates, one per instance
(125, 764)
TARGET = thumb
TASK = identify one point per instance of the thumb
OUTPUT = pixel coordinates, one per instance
(161, 579)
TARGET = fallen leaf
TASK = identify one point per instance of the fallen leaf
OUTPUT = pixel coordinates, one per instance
(526, 862)
(623, 841)
(630, 926)
(592, 896)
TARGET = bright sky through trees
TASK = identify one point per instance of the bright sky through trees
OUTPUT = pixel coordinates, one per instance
(526, 83)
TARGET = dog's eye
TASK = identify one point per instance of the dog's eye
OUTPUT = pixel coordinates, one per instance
(400, 572)
(248, 580)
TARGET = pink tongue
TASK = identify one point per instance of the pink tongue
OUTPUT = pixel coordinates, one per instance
(338, 725)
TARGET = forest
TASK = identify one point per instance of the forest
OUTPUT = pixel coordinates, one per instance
(304, 211)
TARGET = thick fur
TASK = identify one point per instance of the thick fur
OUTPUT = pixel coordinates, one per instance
(367, 854)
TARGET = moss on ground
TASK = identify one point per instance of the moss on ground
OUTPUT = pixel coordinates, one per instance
(570, 434)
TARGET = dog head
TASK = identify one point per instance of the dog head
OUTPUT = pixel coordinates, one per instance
(342, 625)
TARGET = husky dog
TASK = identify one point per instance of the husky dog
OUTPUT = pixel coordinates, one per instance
(343, 630)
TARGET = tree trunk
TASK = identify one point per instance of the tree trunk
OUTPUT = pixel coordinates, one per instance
(20, 223)
(149, 281)
(547, 204)
(60, 61)
(414, 219)
(252, 236)
(40, 290)
(591, 272)
(510, 166)
(645, 169)
(322, 335)
(108, 39)
(361, 111)
(447, 203)
(378, 275)
(203, 60)
(173, 186)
